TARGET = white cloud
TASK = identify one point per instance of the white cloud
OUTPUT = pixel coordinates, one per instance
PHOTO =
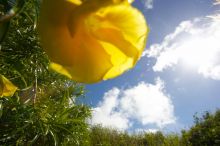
(152, 130)
(144, 103)
(146, 131)
(195, 44)
(148, 4)
(106, 112)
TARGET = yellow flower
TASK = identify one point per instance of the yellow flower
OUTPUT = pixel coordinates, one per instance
(7, 88)
(92, 40)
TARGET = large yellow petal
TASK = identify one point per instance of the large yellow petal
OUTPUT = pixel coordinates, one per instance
(119, 60)
(82, 57)
(54, 33)
(116, 38)
(92, 41)
(126, 1)
(7, 88)
(123, 54)
(76, 2)
(90, 62)
(60, 69)
(122, 31)
(128, 20)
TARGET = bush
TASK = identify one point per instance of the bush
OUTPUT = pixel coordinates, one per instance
(206, 131)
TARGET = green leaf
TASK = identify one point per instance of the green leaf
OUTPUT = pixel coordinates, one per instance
(3, 30)
(1, 109)
(55, 138)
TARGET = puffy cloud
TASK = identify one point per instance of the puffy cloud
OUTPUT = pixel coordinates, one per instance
(144, 103)
(195, 44)
(106, 112)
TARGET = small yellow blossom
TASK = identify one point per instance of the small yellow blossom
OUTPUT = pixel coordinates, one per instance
(7, 88)
(92, 40)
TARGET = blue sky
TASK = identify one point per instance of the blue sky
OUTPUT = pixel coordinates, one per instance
(177, 76)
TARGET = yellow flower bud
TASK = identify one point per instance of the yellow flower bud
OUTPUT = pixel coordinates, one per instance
(7, 88)
(92, 40)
